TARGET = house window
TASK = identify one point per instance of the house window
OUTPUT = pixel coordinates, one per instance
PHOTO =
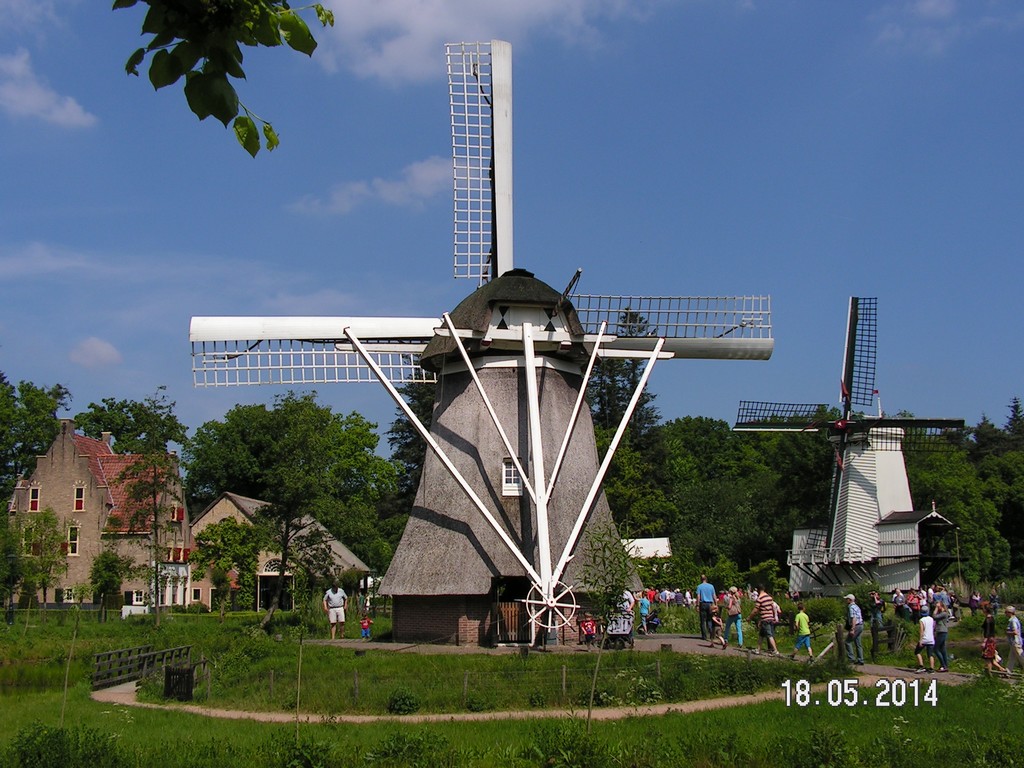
(79, 499)
(511, 481)
(33, 499)
(197, 595)
(73, 532)
(138, 598)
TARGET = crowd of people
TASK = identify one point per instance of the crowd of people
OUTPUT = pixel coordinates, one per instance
(932, 608)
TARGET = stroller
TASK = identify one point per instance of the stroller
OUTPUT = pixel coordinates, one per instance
(653, 622)
(619, 632)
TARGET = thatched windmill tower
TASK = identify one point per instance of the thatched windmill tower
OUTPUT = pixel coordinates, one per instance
(512, 476)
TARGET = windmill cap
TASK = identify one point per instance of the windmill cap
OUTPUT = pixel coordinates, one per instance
(850, 597)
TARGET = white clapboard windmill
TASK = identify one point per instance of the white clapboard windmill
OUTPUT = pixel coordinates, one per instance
(512, 477)
(873, 530)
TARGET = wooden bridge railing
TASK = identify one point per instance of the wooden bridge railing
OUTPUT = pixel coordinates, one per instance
(127, 664)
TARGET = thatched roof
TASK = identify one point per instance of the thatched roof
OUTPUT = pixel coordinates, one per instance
(515, 287)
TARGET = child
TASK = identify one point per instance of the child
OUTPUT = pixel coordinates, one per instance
(589, 629)
(717, 634)
(364, 624)
(803, 632)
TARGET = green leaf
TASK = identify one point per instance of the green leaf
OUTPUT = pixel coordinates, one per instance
(296, 33)
(325, 15)
(187, 54)
(228, 61)
(155, 21)
(271, 136)
(131, 67)
(161, 40)
(247, 135)
(210, 93)
(164, 70)
(265, 29)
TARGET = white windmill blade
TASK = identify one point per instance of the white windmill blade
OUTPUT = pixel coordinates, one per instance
(480, 97)
(305, 351)
(704, 327)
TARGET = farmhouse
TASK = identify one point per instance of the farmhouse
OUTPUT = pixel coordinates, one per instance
(81, 479)
(243, 510)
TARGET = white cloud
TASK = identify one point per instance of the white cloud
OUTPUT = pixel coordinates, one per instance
(37, 259)
(933, 27)
(399, 40)
(418, 182)
(24, 94)
(22, 14)
(95, 353)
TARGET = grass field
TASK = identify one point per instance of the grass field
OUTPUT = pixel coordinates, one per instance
(974, 724)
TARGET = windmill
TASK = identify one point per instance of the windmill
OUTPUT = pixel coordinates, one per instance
(512, 476)
(873, 530)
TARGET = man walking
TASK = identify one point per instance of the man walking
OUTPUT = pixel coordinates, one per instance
(1014, 657)
(705, 599)
(335, 602)
(854, 629)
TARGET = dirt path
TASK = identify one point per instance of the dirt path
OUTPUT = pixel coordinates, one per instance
(125, 695)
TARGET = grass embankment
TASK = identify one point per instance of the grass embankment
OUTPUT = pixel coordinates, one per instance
(970, 725)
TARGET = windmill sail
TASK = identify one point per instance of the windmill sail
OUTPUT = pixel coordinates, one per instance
(480, 98)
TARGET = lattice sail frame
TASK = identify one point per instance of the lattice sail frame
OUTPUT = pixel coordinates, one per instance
(861, 351)
(480, 99)
(293, 352)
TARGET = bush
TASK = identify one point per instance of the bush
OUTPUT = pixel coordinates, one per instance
(825, 611)
(403, 701)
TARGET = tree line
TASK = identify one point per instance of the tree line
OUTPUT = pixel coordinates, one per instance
(727, 500)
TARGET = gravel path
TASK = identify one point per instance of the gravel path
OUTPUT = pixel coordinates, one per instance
(868, 675)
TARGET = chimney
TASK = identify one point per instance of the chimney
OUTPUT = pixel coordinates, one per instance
(107, 437)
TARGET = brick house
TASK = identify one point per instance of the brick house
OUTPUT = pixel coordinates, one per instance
(78, 479)
(243, 510)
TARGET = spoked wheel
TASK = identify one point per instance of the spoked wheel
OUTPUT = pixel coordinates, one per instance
(551, 613)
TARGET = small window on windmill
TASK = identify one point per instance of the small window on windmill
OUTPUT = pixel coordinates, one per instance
(511, 480)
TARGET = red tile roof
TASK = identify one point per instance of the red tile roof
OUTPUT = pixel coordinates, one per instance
(107, 466)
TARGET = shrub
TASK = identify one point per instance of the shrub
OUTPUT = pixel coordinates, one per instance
(403, 701)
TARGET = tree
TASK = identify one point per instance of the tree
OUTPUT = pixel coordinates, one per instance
(45, 541)
(107, 574)
(229, 545)
(307, 464)
(28, 425)
(136, 427)
(949, 480)
(152, 482)
(199, 40)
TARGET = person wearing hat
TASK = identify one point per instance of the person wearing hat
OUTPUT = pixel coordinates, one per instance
(734, 615)
(854, 629)
(1015, 657)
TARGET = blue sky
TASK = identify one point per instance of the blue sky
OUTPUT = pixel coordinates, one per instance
(807, 150)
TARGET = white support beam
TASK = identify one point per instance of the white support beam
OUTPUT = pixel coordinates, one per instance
(595, 488)
(443, 457)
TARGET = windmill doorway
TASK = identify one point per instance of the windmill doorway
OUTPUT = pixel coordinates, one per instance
(511, 621)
